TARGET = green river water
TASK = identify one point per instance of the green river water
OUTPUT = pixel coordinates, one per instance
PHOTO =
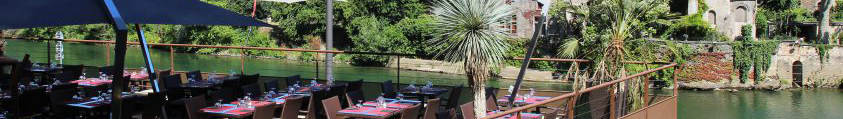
(807, 104)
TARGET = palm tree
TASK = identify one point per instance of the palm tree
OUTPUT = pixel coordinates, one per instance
(471, 32)
(607, 48)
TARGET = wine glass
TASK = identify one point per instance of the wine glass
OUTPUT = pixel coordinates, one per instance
(219, 103)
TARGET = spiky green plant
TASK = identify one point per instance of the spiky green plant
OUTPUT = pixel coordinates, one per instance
(607, 47)
(471, 32)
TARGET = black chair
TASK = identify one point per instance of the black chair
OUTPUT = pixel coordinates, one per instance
(70, 73)
(33, 102)
(193, 107)
(154, 106)
(253, 89)
(270, 85)
(91, 91)
(58, 107)
(354, 85)
(291, 80)
(314, 109)
(388, 89)
(171, 83)
(109, 70)
(226, 95)
(128, 108)
(250, 79)
(454, 98)
(197, 75)
(339, 91)
(65, 86)
(354, 97)
(234, 86)
(165, 72)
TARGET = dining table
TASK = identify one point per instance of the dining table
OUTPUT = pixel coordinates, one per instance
(520, 100)
(97, 102)
(424, 93)
(46, 72)
(280, 98)
(233, 110)
(92, 82)
(370, 109)
(524, 115)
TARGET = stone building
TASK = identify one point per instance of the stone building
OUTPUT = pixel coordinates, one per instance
(727, 16)
(527, 13)
(802, 65)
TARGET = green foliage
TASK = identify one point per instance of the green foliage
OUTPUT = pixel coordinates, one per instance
(761, 23)
(86, 32)
(693, 25)
(822, 51)
(376, 36)
(837, 12)
(749, 53)
(746, 32)
(783, 11)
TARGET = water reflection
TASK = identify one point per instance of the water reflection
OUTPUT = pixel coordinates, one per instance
(95, 55)
(799, 104)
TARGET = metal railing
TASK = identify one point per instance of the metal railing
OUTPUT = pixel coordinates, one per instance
(601, 101)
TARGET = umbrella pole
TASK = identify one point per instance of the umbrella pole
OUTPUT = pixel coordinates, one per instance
(147, 59)
(526, 61)
(121, 30)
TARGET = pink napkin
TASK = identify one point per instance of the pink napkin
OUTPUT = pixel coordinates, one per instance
(383, 111)
(212, 109)
(391, 105)
(256, 103)
(356, 110)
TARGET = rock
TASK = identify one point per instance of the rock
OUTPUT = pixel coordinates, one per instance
(701, 85)
(769, 85)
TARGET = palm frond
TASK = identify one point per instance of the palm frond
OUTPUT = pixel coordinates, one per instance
(471, 29)
(570, 48)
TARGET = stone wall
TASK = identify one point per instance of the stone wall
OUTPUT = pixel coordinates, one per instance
(814, 72)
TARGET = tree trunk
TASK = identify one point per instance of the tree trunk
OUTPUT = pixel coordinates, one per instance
(477, 71)
(479, 99)
(824, 24)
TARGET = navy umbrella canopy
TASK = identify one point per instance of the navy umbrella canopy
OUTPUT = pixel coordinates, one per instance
(45, 13)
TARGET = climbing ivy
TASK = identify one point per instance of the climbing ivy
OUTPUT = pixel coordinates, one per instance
(822, 51)
(749, 53)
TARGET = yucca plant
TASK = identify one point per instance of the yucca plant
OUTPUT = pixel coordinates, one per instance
(471, 32)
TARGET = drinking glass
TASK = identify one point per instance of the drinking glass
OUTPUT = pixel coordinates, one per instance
(359, 103)
(218, 104)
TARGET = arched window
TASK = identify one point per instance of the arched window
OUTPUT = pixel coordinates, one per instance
(740, 14)
(712, 17)
(797, 73)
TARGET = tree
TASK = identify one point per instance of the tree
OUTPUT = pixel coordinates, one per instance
(609, 25)
(824, 21)
(470, 32)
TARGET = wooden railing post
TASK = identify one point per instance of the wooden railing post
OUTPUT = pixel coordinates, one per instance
(172, 59)
(107, 54)
(612, 104)
(317, 66)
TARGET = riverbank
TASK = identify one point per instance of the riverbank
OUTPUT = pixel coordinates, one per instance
(507, 72)
(766, 85)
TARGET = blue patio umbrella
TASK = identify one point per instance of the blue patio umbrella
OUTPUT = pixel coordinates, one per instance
(118, 13)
